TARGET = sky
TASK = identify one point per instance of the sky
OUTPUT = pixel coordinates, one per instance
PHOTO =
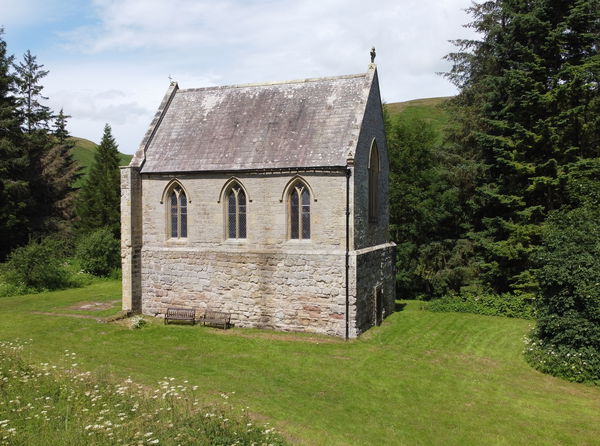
(110, 61)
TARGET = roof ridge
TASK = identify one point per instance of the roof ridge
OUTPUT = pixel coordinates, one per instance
(266, 84)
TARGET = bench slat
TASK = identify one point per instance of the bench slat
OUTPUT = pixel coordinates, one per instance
(180, 314)
(217, 318)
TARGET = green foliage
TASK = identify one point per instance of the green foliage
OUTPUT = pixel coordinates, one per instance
(569, 263)
(508, 304)
(83, 153)
(578, 365)
(99, 201)
(38, 266)
(52, 404)
(36, 168)
(99, 253)
(430, 186)
(529, 110)
(137, 322)
(59, 174)
(15, 194)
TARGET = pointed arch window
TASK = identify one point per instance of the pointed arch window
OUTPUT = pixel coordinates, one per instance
(374, 183)
(177, 213)
(299, 212)
(236, 212)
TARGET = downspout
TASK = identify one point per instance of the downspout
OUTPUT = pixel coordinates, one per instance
(348, 174)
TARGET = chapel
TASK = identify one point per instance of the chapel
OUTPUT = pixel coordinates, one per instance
(268, 201)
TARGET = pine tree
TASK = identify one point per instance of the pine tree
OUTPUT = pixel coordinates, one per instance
(28, 77)
(99, 200)
(15, 197)
(37, 139)
(529, 105)
(59, 173)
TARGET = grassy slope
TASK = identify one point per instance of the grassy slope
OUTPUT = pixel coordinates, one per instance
(429, 109)
(420, 378)
(83, 152)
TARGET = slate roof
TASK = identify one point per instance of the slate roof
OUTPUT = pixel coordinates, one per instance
(306, 123)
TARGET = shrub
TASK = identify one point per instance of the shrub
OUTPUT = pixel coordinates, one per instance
(578, 365)
(99, 253)
(137, 322)
(508, 305)
(38, 266)
(569, 302)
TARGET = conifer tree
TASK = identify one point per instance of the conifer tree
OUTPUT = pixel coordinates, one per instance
(530, 106)
(59, 172)
(35, 118)
(98, 204)
(15, 197)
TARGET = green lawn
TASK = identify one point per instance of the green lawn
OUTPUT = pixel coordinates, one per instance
(420, 378)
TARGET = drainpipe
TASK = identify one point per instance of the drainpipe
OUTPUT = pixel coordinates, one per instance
(348, 175)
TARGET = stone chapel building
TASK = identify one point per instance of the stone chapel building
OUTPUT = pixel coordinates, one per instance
(268, 201)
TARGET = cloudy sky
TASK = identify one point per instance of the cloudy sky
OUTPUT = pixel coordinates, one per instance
(110, 60)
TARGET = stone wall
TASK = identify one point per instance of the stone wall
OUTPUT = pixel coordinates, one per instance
(282, 291)
(374, 269)
(131, 237)
(372, 248)
(266, 280)
(267, 210)
(368, 233)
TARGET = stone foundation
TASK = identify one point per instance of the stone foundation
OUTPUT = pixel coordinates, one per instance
(303, 292)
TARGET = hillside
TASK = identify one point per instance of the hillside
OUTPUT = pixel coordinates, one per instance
(429, 109)
(83, 152)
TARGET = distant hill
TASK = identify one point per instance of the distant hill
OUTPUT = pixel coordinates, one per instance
(428, 109)
(83, 152)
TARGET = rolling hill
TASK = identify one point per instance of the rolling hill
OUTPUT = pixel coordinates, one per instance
(83, 152)
(431, 110)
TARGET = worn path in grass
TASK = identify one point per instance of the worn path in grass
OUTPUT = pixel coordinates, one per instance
(421, 378)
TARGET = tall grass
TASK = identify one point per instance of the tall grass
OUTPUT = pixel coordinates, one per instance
(52, 404)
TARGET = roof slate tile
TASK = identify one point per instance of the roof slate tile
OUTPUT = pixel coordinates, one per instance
(308, 123)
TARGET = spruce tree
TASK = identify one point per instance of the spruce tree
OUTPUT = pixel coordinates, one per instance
(99, 200)
(59, 173)
(15, 197)
(529, 107)
(37, 141)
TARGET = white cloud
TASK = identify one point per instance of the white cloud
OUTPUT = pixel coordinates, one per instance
(125, 95)
(136, 44)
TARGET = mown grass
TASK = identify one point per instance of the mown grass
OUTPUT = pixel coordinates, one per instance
(420, 378)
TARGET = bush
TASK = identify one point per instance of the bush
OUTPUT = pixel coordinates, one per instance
(508, 305)
(569, 302)
(38, 266)
(99, 253)
(137, 322)
(578, 365)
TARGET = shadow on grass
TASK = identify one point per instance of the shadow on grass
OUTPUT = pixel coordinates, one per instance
(399, 306)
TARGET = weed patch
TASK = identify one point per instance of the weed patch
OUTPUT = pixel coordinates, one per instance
(61, 404)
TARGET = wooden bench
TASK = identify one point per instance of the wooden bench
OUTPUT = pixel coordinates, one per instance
(180, 314)
(217, 319)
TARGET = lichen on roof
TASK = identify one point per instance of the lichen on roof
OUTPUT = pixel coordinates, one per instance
(305, 123)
